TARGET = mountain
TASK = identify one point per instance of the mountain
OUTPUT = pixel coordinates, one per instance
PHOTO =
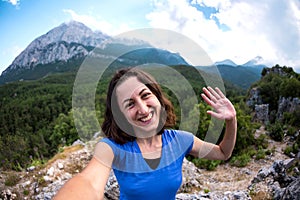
(225, 62)
(256, 64)
(65, 47)
(258, 60)
(240, 75)
(62, 43)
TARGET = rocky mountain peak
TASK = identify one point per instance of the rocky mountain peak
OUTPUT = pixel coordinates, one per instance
(255, 61)
(74, 31)
(68, 32)
(258, 62)
(59, 44)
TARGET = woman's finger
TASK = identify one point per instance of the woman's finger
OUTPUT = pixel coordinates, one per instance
(214, 114)
(207, 99)
(209, 95)
(220, 92)
(213, 92)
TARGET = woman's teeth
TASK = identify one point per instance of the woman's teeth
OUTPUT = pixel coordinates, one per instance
(144, 119)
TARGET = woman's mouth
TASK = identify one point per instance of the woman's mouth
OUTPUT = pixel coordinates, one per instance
(146, 118)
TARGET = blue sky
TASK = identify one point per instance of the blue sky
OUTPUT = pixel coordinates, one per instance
(226, 29)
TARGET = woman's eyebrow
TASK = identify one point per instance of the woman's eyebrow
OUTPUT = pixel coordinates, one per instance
(130, 99)
(142, 91)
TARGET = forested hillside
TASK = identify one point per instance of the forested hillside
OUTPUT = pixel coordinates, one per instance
(28, 111)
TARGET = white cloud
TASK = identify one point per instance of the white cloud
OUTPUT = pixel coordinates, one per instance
(219, 4)
(13, 2)
(96, 23)
(267, 28)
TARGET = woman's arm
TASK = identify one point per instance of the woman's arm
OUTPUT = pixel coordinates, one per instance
(223, 110)
(90, 183)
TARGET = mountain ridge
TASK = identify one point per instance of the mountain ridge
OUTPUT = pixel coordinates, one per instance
(225, 62)
(257, 61)
(56, 39)
(71, 42)
(74, 41)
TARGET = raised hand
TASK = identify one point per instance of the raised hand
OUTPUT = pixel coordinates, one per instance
(222, 107)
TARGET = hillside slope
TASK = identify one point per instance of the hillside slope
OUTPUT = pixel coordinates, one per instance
(226, 181)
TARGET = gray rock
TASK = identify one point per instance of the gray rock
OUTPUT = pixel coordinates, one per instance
(282, 185)
(262, 113)
(287, 104)
(292, 191)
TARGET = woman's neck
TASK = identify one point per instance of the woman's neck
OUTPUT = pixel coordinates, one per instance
(150, 147)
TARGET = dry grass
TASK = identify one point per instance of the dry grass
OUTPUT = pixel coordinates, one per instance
(66, 151)
(261, 195)
(75, 167)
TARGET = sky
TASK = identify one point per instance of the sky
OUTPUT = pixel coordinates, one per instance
(239, 30)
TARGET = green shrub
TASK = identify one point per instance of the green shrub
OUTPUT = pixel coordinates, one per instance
(206, 164)
(261, 154)
(251, 151)
(276, 131)
(206, 191)
(262, 142)
(288, 150)
(240, 160)
(26, 192)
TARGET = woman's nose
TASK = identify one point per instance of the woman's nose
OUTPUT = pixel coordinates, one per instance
(142, 107)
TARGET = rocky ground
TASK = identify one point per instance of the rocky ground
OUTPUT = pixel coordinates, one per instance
(230, 178)
(225, 182)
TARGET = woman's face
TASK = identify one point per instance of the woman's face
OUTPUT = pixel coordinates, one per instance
(140, 107)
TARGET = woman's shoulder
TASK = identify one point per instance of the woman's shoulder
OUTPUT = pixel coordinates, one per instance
(179, 135)
(178, 142)
(128, 146)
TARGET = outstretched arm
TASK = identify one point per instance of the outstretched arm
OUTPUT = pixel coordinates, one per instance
(222, 109)
(90, 183)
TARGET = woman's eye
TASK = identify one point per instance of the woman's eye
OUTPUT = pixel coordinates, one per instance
(130, 105)
(145, 95)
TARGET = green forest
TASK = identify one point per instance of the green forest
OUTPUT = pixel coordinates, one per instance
(36, 117)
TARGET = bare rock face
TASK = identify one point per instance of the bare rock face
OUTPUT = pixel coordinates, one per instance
(292, 191)
(254, 98)
(287, 105)
(280, 184)
(261, 111)
(62, 43)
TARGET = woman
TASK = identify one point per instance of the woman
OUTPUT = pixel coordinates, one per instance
(145, 155)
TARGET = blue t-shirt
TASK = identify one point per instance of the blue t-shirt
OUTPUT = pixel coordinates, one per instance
(135, 177)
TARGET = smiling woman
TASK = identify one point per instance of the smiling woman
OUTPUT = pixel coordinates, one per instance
(145, 154)
(135, 96)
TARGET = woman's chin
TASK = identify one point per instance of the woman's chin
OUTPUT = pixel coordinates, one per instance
(145, 131)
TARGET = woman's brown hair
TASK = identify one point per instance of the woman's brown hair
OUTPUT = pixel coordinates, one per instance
(111, 127)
